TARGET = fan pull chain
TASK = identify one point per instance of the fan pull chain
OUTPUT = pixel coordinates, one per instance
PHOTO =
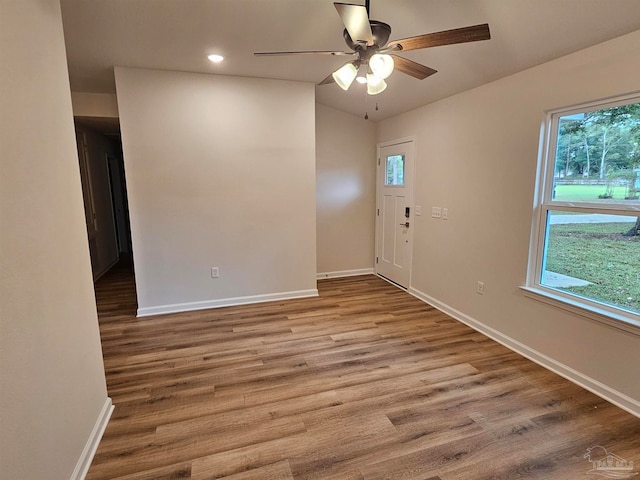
(366, 114)
(366, 106)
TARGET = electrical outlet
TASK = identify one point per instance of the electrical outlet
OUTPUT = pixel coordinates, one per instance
(436, 212)
(215, 272)
(445, 213)
(480, 288)
(418, 210)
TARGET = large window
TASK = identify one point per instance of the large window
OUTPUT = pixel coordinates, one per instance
(586, 243)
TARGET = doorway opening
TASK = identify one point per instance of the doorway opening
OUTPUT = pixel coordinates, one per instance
(104, 191)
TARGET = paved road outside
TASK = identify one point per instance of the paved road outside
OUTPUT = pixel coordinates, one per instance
(590, 218)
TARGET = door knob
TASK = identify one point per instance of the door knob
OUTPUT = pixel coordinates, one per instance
(406, 224)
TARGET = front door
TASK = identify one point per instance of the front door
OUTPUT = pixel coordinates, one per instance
(394, 220)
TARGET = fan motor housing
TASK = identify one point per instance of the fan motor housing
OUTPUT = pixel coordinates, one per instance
(381, 32)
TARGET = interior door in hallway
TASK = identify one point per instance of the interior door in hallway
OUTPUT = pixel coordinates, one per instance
(394, 219)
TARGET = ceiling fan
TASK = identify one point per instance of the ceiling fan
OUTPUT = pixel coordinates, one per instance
(369, 42)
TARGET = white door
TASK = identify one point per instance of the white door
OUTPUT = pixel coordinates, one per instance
(394, 219)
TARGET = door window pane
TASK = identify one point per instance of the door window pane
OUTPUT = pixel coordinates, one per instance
(394, 170)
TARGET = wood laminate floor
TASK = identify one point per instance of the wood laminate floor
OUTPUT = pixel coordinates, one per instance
(363, 383)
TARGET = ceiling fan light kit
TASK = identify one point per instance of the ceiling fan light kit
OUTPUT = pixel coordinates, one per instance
(381, 65)
(345, 75)
(374, 79)
(369, 42)
(375, 84)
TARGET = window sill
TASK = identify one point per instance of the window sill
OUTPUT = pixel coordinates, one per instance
(600, 315)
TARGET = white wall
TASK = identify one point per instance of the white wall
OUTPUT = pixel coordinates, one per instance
(220, 172)
(94, 104)
(476, 155)
(346, 195)
(52, 380)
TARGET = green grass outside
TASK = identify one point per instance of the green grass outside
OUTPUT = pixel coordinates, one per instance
(587, 193)
(598, 253)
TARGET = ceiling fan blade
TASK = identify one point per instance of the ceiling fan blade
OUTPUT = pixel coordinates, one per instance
(327, 80)
(416, 70)
(303, 52)
(446, 37)
(356, 21)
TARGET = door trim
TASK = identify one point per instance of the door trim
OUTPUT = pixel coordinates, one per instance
(390, 143)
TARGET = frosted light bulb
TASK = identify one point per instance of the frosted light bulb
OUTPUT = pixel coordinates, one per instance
(375, 85)
(381, 65)
(344, 75)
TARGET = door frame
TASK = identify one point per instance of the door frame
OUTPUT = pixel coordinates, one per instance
(378, 226)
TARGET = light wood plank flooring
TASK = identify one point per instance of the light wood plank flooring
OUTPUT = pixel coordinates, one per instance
(363, 383)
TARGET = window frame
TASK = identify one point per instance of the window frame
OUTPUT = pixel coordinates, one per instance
(544, 202)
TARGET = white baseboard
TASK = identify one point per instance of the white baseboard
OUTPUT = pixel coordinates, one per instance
(619, 399)
(225, 302)
(84, 462)
(345, 273)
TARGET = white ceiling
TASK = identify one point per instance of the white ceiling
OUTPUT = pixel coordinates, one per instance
(178, 35)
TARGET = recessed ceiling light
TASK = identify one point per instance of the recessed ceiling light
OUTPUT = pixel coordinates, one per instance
(215, 58)
(361, 80)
